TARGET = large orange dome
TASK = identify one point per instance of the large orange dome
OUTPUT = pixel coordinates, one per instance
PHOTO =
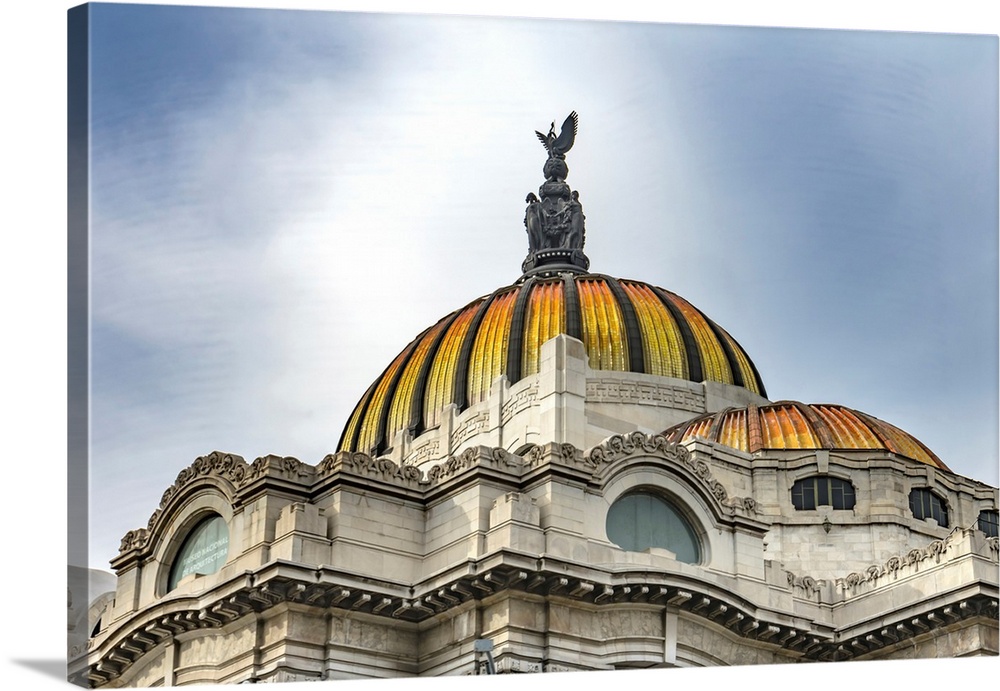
(624, 325)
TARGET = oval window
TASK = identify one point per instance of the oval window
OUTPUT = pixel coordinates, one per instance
(204, 550)
(641, 520)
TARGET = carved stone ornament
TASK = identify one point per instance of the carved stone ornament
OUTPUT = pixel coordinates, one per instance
(410, 476)
(227, 466)
(806, 583)
(554, 218)
(625, 445)
(895, 564)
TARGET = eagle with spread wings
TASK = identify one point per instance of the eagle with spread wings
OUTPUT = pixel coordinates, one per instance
(558, 146)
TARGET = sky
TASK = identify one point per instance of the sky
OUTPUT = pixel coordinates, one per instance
(281, 201)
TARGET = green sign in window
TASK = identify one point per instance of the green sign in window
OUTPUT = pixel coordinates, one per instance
(204, 551)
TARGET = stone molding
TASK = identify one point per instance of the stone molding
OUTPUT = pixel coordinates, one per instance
(899, 565)
(610, 390)
(620, 446)
(321, 589)
(522, 400)
(860, 582)
(236, 474)
(416, 605)
(228, 467)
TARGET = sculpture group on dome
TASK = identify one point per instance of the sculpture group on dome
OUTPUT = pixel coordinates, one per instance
(554, 219)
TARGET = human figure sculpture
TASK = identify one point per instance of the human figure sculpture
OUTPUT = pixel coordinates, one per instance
(533, 222)
(575, 238)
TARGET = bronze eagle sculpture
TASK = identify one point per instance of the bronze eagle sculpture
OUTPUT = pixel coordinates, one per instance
(558, 146)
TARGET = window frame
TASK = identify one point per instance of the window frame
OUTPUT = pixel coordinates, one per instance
(190, 535)
(815, 491)
(988, 518)
(931, 504)
(691, 531)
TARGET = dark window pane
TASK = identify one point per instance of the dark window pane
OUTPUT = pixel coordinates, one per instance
(925, 504)
(810, 492)
(988, 522)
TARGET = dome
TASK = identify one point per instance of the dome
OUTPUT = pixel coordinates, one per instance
(794, 425)
(625, 325)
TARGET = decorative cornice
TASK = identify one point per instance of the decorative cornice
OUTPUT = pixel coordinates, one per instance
(259, 595)
(286, 467)
(935, 550)
(385, 470)
(894, 565)
(229, 467)
(238, 474)
(416, 605)
(806, 583)
(622, 446)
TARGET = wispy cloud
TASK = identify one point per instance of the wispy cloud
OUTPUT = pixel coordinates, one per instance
(279, 213)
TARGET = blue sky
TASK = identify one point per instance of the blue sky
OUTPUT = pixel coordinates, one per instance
(677, 147)
(282, 200)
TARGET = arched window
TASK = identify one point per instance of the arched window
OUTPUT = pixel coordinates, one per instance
(822, 490)
(640, 520)
(926, 504)
(988, 522)
(204, 550)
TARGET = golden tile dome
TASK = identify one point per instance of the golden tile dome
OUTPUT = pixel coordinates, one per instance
(794, 425)
(625, 325)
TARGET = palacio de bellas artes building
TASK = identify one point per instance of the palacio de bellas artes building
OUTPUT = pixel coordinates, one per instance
(573, 472)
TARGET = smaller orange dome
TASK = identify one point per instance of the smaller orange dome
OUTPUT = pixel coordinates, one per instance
(794, 425)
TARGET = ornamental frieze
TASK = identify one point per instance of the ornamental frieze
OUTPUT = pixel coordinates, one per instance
(287, 467)
(411, 476)
(806, 583)
(567, 454)
(895, 564)
(644, 393)
(379, 468)
(223, 465)
(474, 456)
(622, 446)
(228, 466)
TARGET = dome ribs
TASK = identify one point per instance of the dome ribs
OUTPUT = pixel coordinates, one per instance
(417, 398)
(458, 395)
(545, 318)
(733, 429)
(349, 437)
(574, 319)
(515, 344)
(715, 428)
(663, 347)
(488, 356)
(715, 367)
(440, 380)
(625, 326)
(633, 335)
(796, 425)
(849, 431)
(373, 442)
(755, 438)
(898, 441)
(819, 426)
(695, 372)
(727, 349)
(602, 325)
